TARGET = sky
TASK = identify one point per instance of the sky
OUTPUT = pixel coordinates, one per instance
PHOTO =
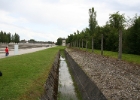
(47, 20)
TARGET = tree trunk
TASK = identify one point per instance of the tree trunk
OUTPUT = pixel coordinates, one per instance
(76, 43)
(102, 44)
(79, 44)
(72, 44)
(92, 44)
(82, 43)
(120, 45)
(86, 45)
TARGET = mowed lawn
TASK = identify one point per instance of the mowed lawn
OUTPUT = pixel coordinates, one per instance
(24, 76)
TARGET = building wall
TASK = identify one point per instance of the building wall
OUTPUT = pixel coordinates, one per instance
(63, 42)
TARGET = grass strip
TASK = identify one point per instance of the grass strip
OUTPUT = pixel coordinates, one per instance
(24, 75)
(126, 57)
(135, 59)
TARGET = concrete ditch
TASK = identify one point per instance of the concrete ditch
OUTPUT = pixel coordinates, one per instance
(88, 89)
(51, 85)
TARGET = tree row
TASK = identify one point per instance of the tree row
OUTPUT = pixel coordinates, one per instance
(8, 37)
(120, 34)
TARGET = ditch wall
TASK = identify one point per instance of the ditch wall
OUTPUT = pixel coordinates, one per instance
(51, 85)
(87, 88)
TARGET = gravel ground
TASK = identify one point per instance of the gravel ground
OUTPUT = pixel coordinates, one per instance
(118, 80)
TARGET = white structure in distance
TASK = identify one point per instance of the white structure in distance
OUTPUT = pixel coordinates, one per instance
(16, 49)
(63, 42)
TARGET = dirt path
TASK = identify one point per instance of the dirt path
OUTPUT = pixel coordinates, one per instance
(118, 80)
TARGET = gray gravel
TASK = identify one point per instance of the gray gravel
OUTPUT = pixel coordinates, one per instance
(118, 80)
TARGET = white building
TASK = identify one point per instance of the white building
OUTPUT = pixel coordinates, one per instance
(64, 42)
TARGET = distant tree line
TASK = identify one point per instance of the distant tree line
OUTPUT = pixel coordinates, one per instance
(34, 41)
(119, 34)
(8, 37)
(59, 41)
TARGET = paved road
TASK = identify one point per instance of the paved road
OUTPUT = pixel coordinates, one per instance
(23, 51)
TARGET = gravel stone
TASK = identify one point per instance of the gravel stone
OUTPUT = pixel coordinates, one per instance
(117, 79)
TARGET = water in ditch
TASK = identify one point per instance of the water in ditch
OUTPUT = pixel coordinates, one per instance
(66, 89)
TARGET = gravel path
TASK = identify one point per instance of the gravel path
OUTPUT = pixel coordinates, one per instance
(118, 80)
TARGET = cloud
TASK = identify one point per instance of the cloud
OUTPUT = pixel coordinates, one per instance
(50, 19)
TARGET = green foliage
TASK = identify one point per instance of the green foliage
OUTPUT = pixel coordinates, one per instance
(92, 21)
(31, 41)
(110, 38)
(7, 38)
(115, 26)
(17, 38)
(70, 38)
(59, 41)
(132, 37)
(117, 20)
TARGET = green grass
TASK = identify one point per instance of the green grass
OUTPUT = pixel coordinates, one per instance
(24, 76)
(131, 58)
(126, 57)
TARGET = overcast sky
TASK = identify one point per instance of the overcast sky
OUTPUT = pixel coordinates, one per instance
(47, 20)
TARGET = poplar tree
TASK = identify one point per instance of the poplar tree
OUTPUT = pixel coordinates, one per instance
(117, 21)
(92, 24)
